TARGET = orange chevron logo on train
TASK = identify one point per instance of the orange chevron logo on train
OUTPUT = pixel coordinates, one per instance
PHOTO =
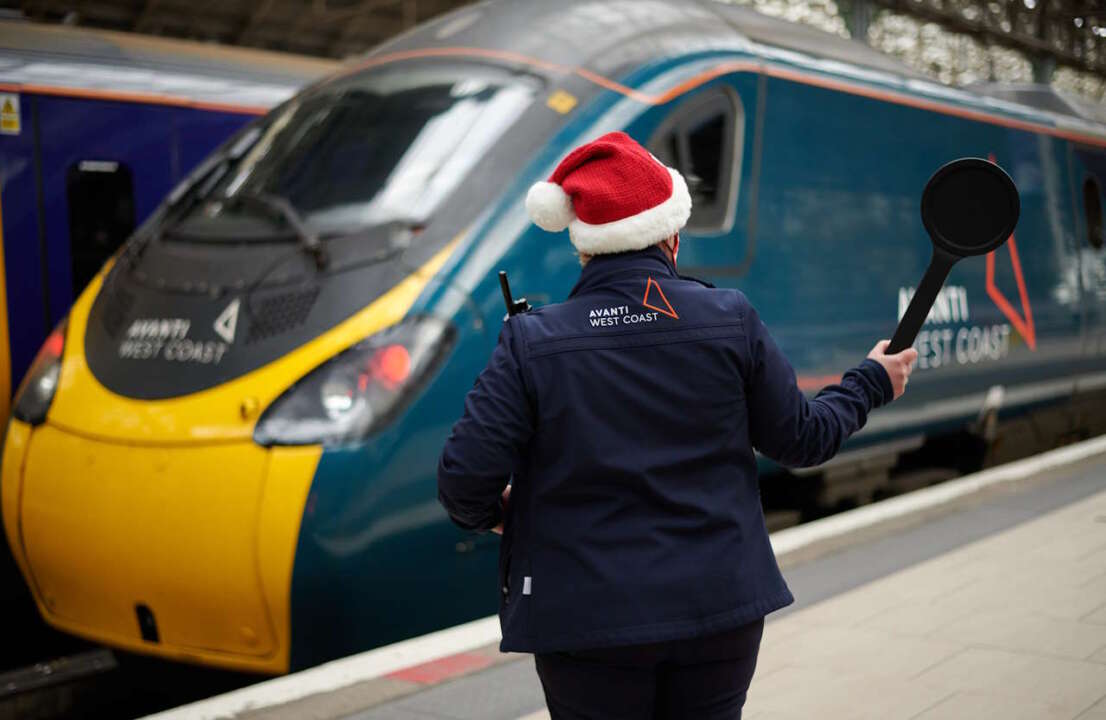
(1022, 323)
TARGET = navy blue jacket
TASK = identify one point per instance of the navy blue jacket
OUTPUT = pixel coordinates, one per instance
(627, 416)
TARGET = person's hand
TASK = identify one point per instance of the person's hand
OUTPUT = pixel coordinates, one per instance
(898, 366)
(498, 529)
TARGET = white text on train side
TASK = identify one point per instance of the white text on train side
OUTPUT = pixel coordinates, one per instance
(962, 346)
(167, 339)
(158, 328)
(965, 345)
(951, 305)
(208, 352)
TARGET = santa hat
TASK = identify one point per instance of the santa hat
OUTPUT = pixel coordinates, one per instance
(613, 196)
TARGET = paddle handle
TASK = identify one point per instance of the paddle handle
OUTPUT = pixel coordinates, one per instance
(924, 297)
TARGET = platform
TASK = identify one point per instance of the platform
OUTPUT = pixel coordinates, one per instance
(985, 597)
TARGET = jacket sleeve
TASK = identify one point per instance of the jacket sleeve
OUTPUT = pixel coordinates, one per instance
(785, 425)
(487, 444)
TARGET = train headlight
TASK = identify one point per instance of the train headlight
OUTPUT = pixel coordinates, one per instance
(36, 392)
(358, 390)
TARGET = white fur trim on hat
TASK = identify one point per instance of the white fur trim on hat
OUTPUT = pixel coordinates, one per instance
(549, 206)
(636, 232)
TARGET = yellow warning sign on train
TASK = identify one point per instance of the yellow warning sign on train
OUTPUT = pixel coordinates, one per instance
(561, 101)
(9, 114)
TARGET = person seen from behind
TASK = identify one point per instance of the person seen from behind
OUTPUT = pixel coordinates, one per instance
(635, 563)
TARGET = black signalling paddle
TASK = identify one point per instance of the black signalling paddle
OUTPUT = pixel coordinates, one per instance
(969, 207)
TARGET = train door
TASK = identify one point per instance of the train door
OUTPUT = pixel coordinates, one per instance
(1089, 175)
(100, 195)
(710, 137)
(105, 164)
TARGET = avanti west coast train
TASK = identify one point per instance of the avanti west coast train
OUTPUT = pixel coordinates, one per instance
(226, 454)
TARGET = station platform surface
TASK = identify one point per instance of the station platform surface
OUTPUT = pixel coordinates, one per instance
(989, 601)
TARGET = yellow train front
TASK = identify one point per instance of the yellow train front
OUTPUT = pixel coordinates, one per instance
(163, 525)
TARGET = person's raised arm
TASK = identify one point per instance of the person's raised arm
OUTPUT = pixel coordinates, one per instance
(486, 444)
(799, 432)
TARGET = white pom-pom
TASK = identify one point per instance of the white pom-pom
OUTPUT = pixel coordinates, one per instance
(549, 206)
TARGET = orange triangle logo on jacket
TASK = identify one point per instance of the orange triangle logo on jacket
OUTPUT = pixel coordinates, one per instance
(651, 285)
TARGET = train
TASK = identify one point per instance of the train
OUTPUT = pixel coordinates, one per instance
(96, 127)
(225, 454)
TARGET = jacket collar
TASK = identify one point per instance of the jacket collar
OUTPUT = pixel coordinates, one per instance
(602, 268)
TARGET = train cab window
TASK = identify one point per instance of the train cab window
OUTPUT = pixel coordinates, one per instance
(101, 215)
(384, 146)
(1092, 205)
(700, 139)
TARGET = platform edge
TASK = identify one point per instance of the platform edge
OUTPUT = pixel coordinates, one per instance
(792, 542)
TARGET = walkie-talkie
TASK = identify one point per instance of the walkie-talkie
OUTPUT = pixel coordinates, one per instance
(514, 307)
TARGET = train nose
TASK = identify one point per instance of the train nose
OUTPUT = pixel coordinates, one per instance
(185, 552)
(161, 525)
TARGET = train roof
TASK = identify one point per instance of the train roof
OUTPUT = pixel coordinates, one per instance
(603, 35)
(80, 61)
(1043, 97)
(610, 40)
(809, 40)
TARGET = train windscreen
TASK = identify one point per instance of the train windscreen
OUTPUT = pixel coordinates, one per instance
(382, 146)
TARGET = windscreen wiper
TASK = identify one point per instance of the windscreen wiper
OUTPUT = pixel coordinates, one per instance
(282, 209)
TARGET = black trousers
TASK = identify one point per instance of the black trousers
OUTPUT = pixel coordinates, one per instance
(702, 678)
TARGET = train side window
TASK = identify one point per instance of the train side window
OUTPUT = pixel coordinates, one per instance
(101, 215)
(1092, 205)
(701, 139)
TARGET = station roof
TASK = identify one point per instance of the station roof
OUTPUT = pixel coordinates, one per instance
(329, 28)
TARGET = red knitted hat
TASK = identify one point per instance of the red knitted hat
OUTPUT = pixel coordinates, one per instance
(612, 195)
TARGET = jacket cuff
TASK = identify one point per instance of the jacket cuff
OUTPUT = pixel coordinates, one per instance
(878, 376)
(480, 521)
